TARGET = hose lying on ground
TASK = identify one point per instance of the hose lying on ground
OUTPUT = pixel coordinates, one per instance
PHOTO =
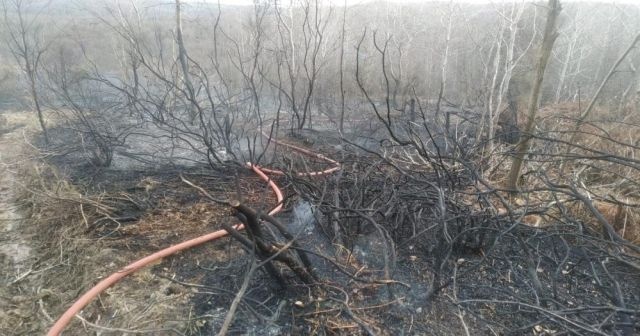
(87, 297)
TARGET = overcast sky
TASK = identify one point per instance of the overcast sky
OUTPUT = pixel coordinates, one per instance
(352, 2)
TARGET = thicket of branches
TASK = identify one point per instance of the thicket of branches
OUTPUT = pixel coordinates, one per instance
(424, 105)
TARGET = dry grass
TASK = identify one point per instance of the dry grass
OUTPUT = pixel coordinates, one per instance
(172, 222)
(66, 259)
(601, 179)
(624, 219)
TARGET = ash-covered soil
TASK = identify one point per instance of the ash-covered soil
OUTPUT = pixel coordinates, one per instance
(561, 279)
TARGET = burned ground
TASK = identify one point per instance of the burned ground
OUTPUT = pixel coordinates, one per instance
(414, 253)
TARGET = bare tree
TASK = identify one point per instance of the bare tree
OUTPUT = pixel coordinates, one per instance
(25, 41)
(183, 57)
(592, 103)
(632, 84)
(342, 93)
(568, 54)
(522, 148)
(445, 57)
(503, 75)
(302, 63)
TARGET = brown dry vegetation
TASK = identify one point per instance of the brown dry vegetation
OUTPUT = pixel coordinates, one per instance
(78, 235)
(64, 260)
(608, 184)
(72, 242)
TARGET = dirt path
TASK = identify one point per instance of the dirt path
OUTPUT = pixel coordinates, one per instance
(16, 257)
(15, 251)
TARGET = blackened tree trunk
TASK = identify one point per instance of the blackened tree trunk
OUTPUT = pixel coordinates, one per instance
(550, 35)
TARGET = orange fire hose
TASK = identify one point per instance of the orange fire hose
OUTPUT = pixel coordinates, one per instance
(87, 297)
